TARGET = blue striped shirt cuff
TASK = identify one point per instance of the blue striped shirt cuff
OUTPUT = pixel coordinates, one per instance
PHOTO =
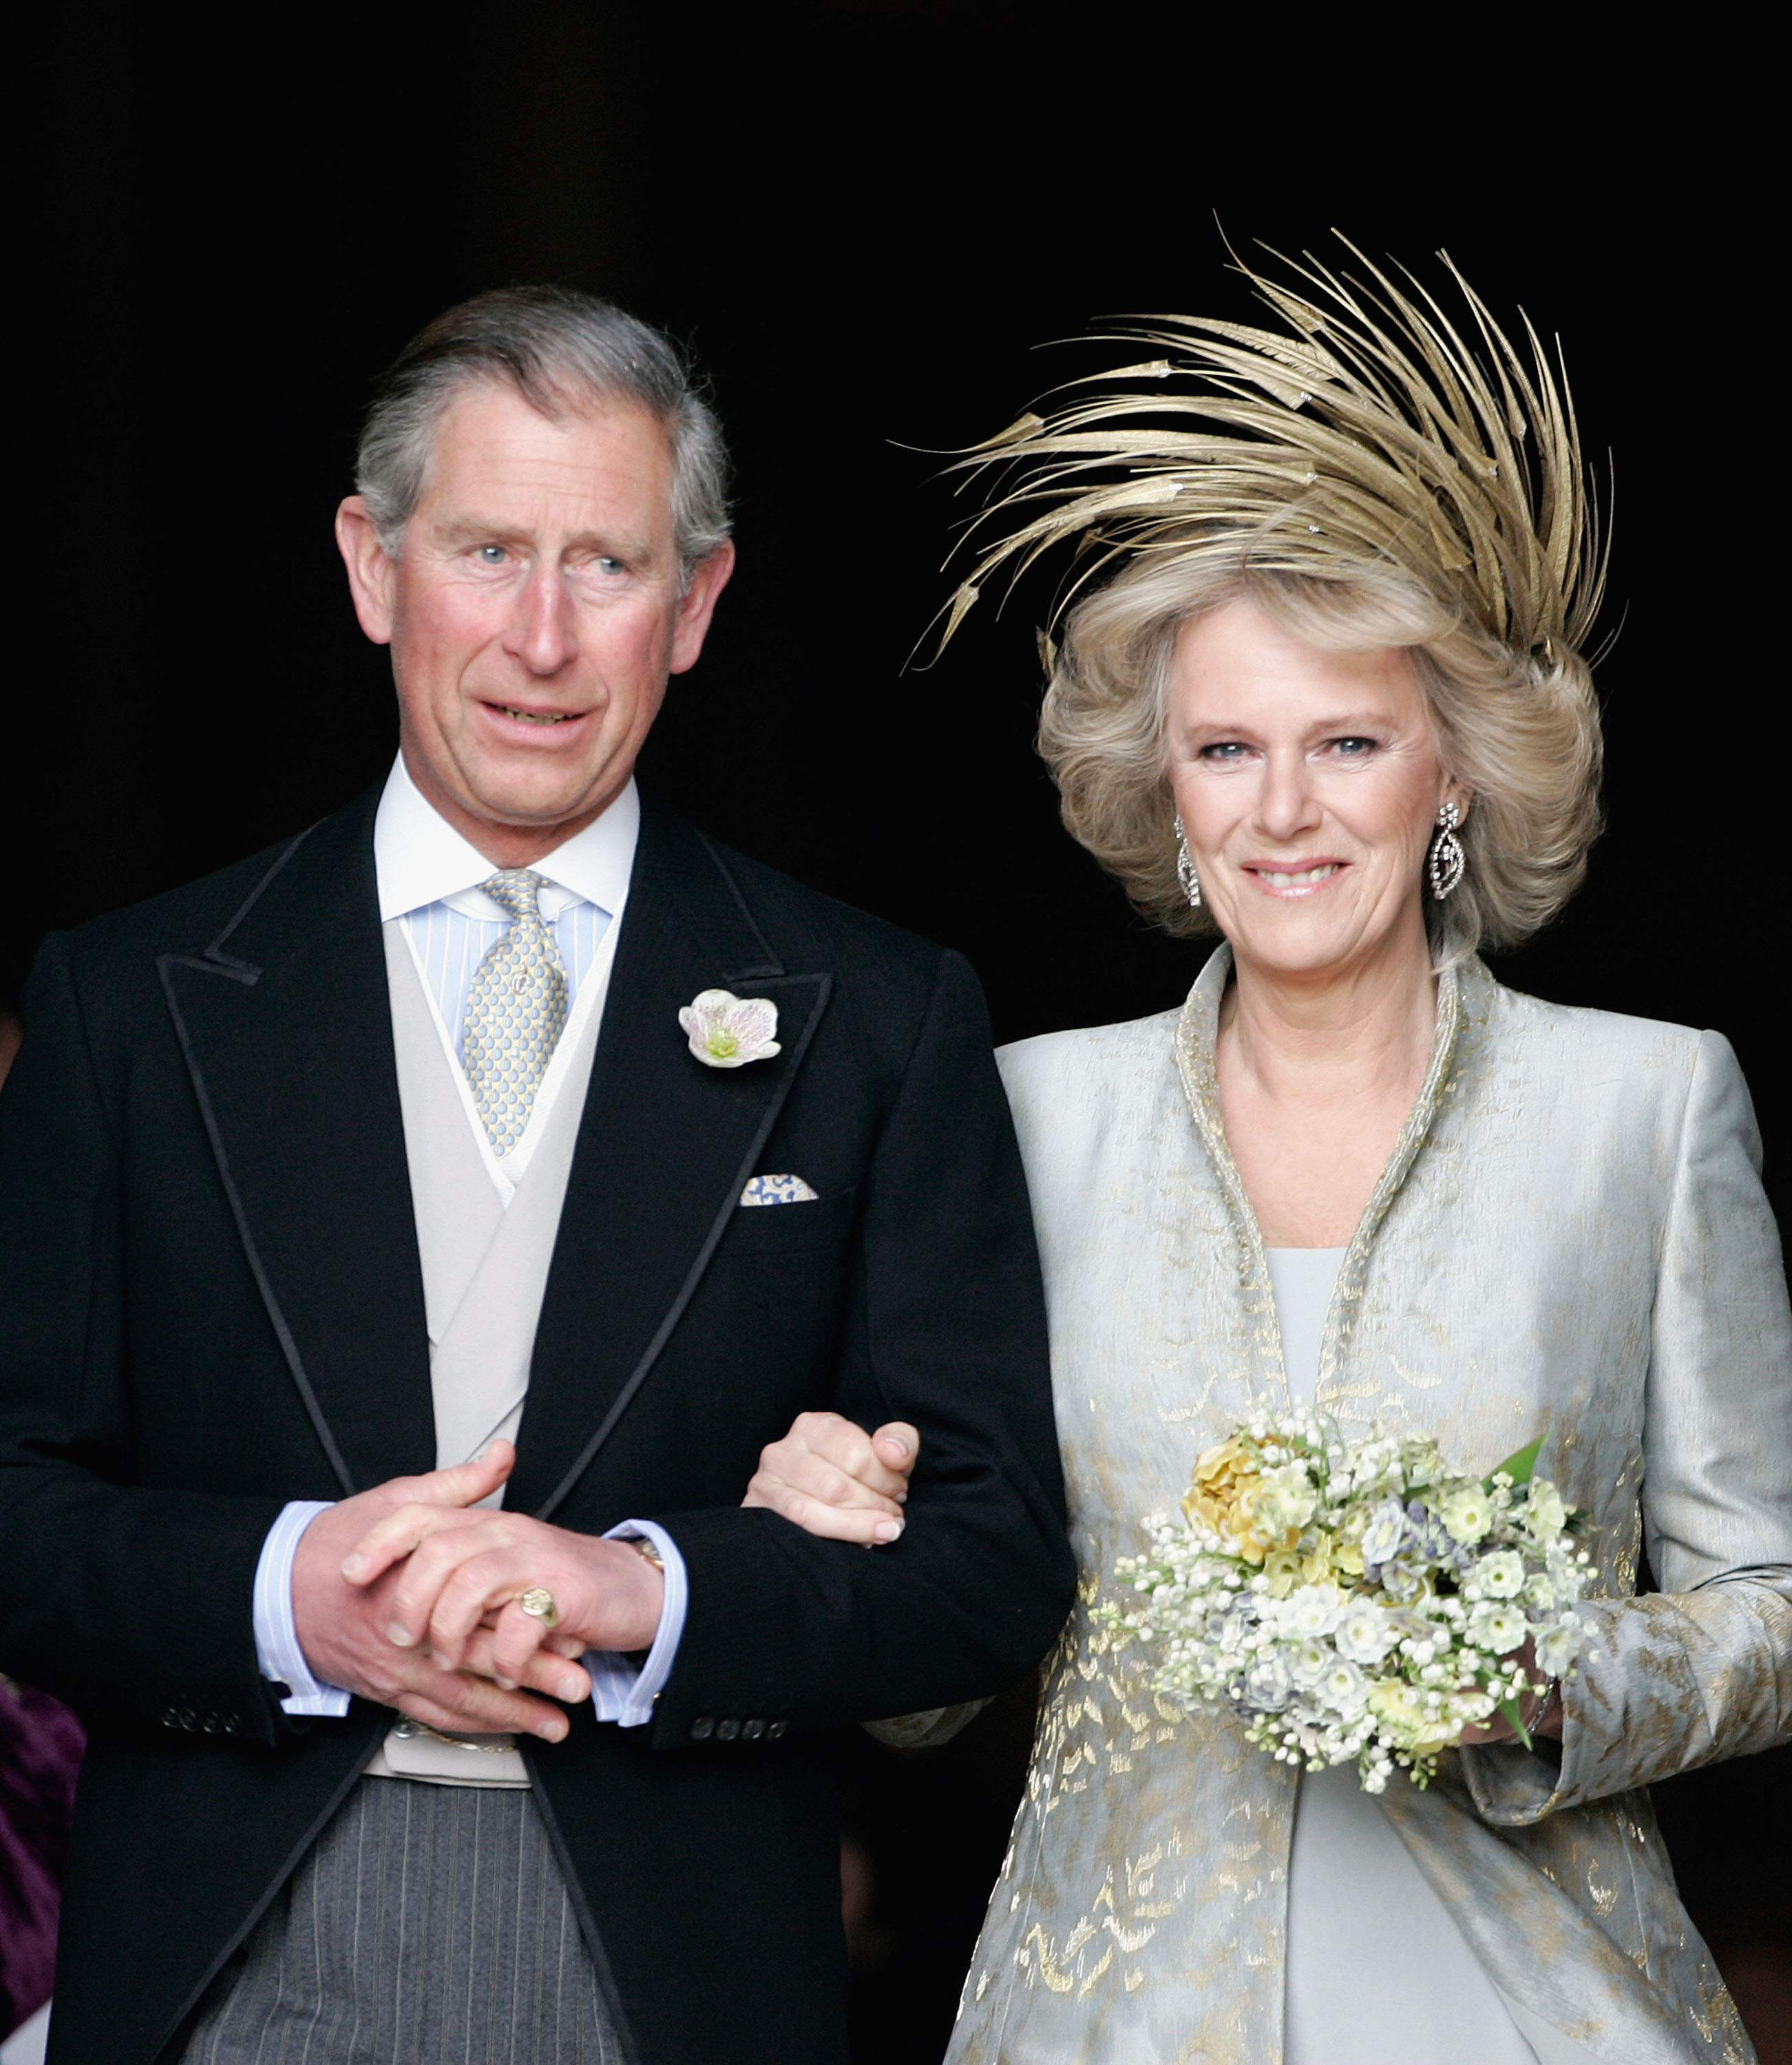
(624, 1692)
(276, 1642)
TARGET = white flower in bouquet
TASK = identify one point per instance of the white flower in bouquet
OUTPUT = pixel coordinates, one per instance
(1364, 1633)
(1357, 1600)
(1501, 1575)
(1497, 1626)
(1468, 1513)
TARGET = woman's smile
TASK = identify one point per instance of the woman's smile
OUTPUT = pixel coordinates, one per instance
(1292, 878)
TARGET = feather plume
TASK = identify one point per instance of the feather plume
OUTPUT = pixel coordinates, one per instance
(1374, 428)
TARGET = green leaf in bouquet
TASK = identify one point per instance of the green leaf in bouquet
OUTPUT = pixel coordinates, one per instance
(1518, 1467)
(1511, 1708)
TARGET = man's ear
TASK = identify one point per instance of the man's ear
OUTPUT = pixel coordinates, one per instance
(370, 568)
(696, 605)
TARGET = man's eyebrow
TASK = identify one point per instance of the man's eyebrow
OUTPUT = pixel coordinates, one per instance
(472, 530)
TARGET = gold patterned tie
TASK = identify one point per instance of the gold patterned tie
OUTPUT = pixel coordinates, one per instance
(515, 1011)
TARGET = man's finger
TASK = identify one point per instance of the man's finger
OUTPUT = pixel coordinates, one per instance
(463, 1484)
(518, 1653)
(545, 1671)
(399, 1535)
(436, 1563)
(450, 1490)
(481, 1584)
(474, 1706)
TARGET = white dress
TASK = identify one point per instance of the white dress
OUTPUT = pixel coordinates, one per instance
(1377, 1969)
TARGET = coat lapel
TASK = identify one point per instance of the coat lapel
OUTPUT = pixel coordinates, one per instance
(286, 1025)
(665, 1146)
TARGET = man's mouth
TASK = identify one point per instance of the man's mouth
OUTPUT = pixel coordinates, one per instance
(533, 717)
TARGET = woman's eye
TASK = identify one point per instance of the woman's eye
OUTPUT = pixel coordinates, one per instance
(1227, 752)
(1353, 749)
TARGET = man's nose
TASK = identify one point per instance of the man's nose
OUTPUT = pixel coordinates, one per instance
(543, 632)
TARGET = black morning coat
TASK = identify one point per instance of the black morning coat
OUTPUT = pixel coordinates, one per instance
(211, 1304)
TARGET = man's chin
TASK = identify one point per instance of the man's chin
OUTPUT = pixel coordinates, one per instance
(520, 808)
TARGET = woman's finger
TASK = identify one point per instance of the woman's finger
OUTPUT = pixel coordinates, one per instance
(898, 1446)
(871, 1527)
(849, 1450)
(826, 1482)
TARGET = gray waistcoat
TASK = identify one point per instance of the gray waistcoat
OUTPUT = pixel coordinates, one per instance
(485, 1266)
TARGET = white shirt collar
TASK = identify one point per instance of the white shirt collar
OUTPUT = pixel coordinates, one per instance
(419, 859)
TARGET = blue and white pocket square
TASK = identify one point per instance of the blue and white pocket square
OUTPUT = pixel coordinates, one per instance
(777, 1191)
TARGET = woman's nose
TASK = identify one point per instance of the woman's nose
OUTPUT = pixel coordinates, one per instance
(1286, 804)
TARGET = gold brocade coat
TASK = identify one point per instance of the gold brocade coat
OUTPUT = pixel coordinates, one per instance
(1571, 1237)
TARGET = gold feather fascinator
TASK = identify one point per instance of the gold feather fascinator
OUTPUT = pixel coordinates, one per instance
(1377, 466)
(1367, 431)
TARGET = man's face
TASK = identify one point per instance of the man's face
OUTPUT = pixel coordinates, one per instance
(533, 611)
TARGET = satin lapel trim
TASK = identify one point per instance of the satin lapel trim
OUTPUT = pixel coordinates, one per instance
(666, 1147)
(710, 1165)
(1197, 1039)
(288, 1040)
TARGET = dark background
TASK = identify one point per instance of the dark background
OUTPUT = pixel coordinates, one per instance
(864, 220)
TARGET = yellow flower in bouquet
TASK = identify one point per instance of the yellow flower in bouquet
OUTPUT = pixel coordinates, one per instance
(1399, 1707)
(1356, 1600)
(1258, 1510)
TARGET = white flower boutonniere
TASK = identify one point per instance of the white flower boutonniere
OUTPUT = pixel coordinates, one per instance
(726, 1031)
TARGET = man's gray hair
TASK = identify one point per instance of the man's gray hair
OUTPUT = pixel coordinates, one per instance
(562, 351)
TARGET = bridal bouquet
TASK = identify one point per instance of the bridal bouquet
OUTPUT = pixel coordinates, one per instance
(1356, 1599)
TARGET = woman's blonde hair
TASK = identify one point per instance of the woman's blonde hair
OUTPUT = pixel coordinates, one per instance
(1521, 733)
(1369, 481)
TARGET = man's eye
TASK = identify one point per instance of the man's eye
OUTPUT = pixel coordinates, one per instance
(491, 556)
(606, 565)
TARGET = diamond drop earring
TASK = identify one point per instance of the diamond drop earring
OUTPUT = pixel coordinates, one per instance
(1448, 859)
(1185, 869)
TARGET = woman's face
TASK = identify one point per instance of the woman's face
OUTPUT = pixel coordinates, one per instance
(1308, 784)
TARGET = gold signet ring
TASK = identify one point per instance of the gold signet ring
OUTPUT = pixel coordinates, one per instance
(538, 1603)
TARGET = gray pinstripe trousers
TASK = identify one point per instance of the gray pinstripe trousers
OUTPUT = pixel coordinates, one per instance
(430, 1923)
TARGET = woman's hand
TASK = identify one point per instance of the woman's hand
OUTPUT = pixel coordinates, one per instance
(834, 1480)
(1542, 1711)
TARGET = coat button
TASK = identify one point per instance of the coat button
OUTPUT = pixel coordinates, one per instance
(189, 1720)
(752, 1730)
(211, 1724)
(774, 1730)
(703, 1728)
(726, 1730)
(170, 1718)
(232, 1724)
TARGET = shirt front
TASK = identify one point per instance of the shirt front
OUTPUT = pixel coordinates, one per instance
(429, 876)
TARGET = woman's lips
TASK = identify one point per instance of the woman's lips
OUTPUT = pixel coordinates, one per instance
(1304, 880)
